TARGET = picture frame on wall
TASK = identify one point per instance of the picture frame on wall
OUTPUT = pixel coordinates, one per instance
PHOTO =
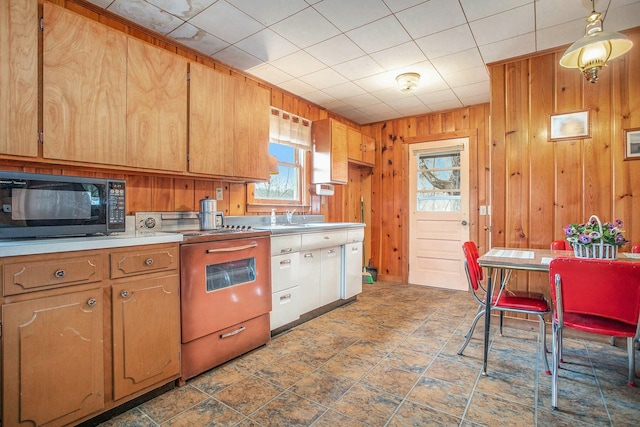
(569, 125)
(631, 144)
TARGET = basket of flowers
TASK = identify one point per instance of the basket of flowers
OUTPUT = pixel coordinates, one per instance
(595, 239)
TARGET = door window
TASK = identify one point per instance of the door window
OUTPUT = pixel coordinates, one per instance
(438, 182)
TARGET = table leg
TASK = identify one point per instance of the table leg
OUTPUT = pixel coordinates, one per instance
(487, 318)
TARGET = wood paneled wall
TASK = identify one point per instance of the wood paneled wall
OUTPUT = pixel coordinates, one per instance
(389, 226)
(539, 186)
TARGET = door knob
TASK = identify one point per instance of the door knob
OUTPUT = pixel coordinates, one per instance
(464, 222)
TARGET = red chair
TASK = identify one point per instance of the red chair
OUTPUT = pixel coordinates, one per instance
(560, 245)
(514, 301)
(596, 296)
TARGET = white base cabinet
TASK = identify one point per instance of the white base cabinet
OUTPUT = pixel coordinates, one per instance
(330, 265)
(285, 279)
(352, 264)
(309, 280)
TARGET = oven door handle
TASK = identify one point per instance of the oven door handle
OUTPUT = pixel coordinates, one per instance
(233, 248)
(232, 333)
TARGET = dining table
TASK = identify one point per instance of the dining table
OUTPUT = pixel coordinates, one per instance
(524, 259)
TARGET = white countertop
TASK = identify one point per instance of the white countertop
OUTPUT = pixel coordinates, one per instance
(310, 227)
(66, 244)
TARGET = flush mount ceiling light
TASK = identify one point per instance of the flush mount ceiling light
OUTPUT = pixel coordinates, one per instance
(591, 52)
(408, 82)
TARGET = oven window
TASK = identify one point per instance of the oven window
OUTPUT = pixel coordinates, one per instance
(231, 273)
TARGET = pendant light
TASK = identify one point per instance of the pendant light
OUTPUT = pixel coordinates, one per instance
(591, 52)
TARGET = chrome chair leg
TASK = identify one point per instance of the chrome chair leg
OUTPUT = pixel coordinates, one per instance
(479, 314)
(632, 361)
(543, 344)
(501, 321)
(556, 346)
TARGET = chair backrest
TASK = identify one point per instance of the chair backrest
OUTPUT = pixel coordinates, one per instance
(636, 248)
(474, 271)
(609, 289)
(560, 245)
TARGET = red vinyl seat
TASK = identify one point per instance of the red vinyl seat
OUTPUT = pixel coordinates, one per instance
(596, 296)
(560, 245)
(503, 300)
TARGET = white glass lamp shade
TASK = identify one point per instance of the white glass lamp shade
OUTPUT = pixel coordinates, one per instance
(408, 82)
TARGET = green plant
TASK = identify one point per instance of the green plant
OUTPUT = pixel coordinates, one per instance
(592, 232)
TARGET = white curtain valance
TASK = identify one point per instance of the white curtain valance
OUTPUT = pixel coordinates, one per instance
(289, 129)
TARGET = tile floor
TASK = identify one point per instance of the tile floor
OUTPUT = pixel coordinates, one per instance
(389, 359)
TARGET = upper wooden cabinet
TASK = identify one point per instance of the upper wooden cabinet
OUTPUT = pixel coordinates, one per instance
(361, 147)
(229, 126)
(330, 163)
(368, 150)
(19, 78)
(156, 108)
(84, 89)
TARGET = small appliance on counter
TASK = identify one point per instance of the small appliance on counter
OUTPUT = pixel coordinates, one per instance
(208, 214)
(39, 205)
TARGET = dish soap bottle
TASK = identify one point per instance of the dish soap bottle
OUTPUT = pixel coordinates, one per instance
(273, 217)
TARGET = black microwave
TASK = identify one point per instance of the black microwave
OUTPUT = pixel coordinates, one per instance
(38, 205)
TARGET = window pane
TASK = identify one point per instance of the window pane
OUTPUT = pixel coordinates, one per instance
(283, 153)
(439, 183)
(283, 186)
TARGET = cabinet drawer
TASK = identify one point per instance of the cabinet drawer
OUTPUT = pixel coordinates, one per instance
(323, 240)
(286, 307)
(124, 264)
(30, 276)
(355, 235)
(285, 271)
(285, 244)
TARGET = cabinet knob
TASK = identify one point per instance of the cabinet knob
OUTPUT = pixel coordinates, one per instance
(149, 261)
(59, 274)
(124, 294)
(91, 302)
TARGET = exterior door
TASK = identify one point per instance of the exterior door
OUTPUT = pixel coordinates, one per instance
(439, 212)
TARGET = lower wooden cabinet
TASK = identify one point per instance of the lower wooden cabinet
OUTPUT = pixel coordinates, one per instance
(71, 352)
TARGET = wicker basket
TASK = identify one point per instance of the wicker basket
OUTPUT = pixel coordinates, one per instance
(596, 250)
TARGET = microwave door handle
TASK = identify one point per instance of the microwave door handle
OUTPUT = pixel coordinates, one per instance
(232, 249)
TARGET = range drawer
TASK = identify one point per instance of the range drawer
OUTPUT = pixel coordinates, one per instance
(65, 270)
(327, 239)
(285, 244)
(286, 307)
(132, 263)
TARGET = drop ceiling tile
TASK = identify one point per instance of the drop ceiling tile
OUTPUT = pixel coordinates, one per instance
(197, 39)
(398, 5)
(324, 78)
(622, 18)
(306, 28)
(399, 56)
(269, 73)
(504, 25)
(362, 100)
(551, 12)
(267, 45)
(240, 59)
(446, 42)
(405, 103)
(469, 58)
(437, 97)
(146, 15)
(269, 12)
(413, 111)
(558, 35)
(467, 77)
(378, 82)
(379, 108)
(473, 89)
(183, 9)
(101, 3)
(226, 22)
(446, 105)
(358, 68)
(381, 34)
(474, 9)
(335, 50)
(475, 100)
(431, 17)
(297, 86)
(347, 15)
(298, 64)
(509, 48)
(319, 97)
(345, 90)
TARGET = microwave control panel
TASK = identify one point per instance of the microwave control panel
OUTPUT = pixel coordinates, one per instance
(116, 205)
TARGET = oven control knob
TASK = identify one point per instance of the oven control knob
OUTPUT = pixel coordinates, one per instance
(150, 222)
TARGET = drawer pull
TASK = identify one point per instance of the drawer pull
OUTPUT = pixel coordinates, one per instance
(285, 261)
(232, 249)
(285, 296)
(354, 249)
(149, 261)
(124, 294)
(326, 237)
(331, 251)
(59, 274)
(232, 333)
(308, 255)
(92, 302)
(285, 250)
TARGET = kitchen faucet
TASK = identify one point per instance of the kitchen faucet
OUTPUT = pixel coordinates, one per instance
(290, 216)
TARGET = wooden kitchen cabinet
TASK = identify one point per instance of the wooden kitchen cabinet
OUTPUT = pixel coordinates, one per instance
(330, 155)
(52, 359)
(368, 150)
(84, 89)
(156, 108)
(19, 78)
(361, 148)
(251, 151)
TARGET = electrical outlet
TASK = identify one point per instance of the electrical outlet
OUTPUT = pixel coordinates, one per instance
(218, 193)
(483, 210)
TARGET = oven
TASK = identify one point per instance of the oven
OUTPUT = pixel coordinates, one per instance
(225, 289)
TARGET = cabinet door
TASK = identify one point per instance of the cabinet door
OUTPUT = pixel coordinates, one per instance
(211, 112)
(354, 144)
(251, 151)
(146, 333)
(330, 275)
(19, 78)
(52, 359)
(156, 108)
(352, 270)
(84, 89)
(309, 280)
(368, 149)
(330, 162)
